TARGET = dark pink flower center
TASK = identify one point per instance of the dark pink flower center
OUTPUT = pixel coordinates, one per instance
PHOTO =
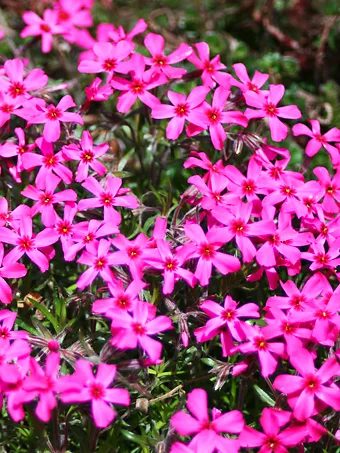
(87, 156)
(133, 252)
(209, 67)
(312, 383)
(274, 239)
(323, 314)
(137, 86)
(22, 149)
(45, 28)
(288, 328)
(170, 264)
(296, 301)
(4, 332)
(100, 263)
(320, 138)
(271, 109)
(275, 172)
(214, 116)
(273, 443)
(6, 108)
(97, 390)
(25, 244)
(238, 227)
(63, 15)
(123, 301)
(182, 110)
(89, 238)
(64, 228)
(47, 198)
(106, 199)
(53, 113)
(260, 343)
(323, 230)
(321, 258)
(207, 251)
(50, 161)
(229, 314)
(248, 187)
(160, 60)
(109, 64)
(288, 191)
(330, 190)
(138, 328)
(16, 89)
(252, 87)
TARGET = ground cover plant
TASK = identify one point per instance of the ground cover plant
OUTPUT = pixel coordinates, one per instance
(169, 266)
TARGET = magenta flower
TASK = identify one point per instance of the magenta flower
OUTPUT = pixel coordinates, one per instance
(303, 390)
(16, 351)
(12, 270)
(64, 227)
(130, 253)
(25, 242)
(73, 13)
(8, 106)
(211, 69)
(161, 62)
(322, 259)
(86, 154)
(214, 116)
(246, 84)
(139, 85)
(267, 106)
(48, 162)
(318, 140)
(213, 193)
(52, 116)
(271, 440)
(330, 189)
(46, 27)
(183, 109)
(95, 92)
(83, 387)
(207, 431)
(7, 320)
(99, 260)
(15, 85)
(238, 226)
(10, 149)
(12, 218)
(108, 57)
(171, 264)
(129, 331)
(206, 249)
(42, 384)
(225, 320)
(46, 199)
(109, 197)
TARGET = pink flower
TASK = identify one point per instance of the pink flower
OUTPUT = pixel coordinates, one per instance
(65, 228)
(86, 154)
(83, 386)
(42, 384)
(183, 109)
(130, 253)
(318, 140)
(139, 85)
(330, 189)
(214, 116)
(99, 260)
(12, 270)
(246, 84)
(48, 162)
(161, 62)
(207, 431)
(112, 195)
(206, 249)
(267, 106)
(95, 92)
(303, 390)
(15, 85)
(271, 440)
(129, 331)
(108, 57)
(25, 242)
(46, 27)
(46, 199)
(8, 106)
(211, 69)
(72, 13)
(52, 116)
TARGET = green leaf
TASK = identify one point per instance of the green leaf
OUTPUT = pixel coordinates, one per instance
(46, 313)
(264, 396)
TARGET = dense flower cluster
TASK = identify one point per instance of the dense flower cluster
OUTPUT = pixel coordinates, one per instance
(266, 224)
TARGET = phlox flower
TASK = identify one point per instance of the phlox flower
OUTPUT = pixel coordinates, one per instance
(15, 395)
(303, 390)
(108, 57)
(207, 431)
(10, 149)
(11, 270)
(12, 218)
(205, 247)
(64, 227)
(51, 116)
(95, 92)
(46, 27)
(211, 69)
(130, 330)
(213, 192)
(72, 13)
(246, 83)
(99, 260)
(170, 263)
(214, 171)
(318, 140)
(322, 259)
(25, 242)
(118, 34)
(272, 440)
(214, 116)
(8, 106)
(7, 320)
(139, 85)
(48, 162)
(15, 85)
(16, 351)
(161, 62)
(225, 321)
(183, 109)
(267, 106)
(108, 197)
(330, 189)
(41, 383)
(83, 387)
(86, 153)
(130, 253)
(46, 199)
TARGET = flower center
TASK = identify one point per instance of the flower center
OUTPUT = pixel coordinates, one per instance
(275, 172)
(53, 113)
(288, 191)
(25, 244)
(109, 64)
(4, 332)
(63, 15)
(159, 60)
(137, 86)
(50, 161)
(106, 199)
(207, 251)
(248, 187)
(87, 156)
(22, 149)
(252, 87)
(170, 264)
(312, 383)
(271, 109)
(182, 110)
(64, 228)
(138, 328)
(238, 227)
(123, 301)
(46, 199)
(97, 390)
(320, 138)
(214, 116)
(133, 252)
(6, 108)
(100, 263)
(321, 258)
(45, 28)
(330, 190)
(260, 343)
(209, 67)
(323, 314)
(228, 315)
(88, 238)
(16, 89)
